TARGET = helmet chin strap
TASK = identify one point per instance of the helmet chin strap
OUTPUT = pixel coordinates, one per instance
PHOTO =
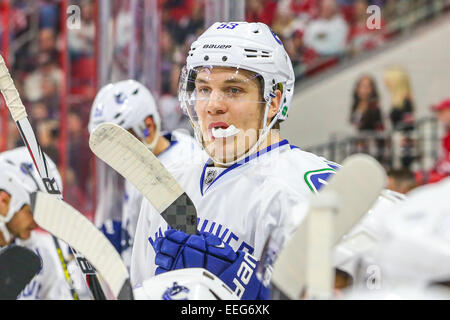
(4, 230)
(152, 145)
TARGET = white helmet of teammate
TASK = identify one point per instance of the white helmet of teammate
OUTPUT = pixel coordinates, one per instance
(243, 46)
(126, 103)
(184, 284)
(11, 184)
(28, 175)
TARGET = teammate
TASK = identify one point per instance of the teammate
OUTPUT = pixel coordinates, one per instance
(14, 206)
(50, 282)
(236, 88)
(130, 105)
(412, 259)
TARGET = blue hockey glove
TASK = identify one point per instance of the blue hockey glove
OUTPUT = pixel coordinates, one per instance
(177, 250)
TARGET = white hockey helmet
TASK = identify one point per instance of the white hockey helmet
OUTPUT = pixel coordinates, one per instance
(126, 103)
(244, 46)
(11, 183)
(20, 157)
(184, 284)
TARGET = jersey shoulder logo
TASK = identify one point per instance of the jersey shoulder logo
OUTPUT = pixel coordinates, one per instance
(316, 179)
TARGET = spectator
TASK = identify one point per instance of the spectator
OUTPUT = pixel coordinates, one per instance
(362, 38)
(81, 42)
(39, 113)
(302, 56)
(78, 150)
(401, 180)
(48, 14)
(47, 41)
(305, 9)
(441, 169)
(366, 114)
(50, 96)
(260, 11)
(179, 10)
(168, 49)
(397, 82)
(48, 135)
(402, 112)
(328, 33)
(47, 67)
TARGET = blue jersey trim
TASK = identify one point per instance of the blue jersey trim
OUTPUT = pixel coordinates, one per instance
(244, 161)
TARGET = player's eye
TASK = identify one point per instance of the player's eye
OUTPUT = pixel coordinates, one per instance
(204, 91)
(234, 91)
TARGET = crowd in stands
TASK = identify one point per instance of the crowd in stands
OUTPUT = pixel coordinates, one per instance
(38, 73)
(316, 33)
(370, 124)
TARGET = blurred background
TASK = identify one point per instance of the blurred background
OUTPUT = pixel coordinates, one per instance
(372, 76)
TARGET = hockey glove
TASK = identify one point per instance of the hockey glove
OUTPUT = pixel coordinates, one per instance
(177, 250)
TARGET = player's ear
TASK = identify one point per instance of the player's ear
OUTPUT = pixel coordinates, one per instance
(150, 124)
(4, 202)
(275, 105)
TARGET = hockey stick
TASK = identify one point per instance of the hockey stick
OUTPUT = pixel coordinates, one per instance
(66, 223)
(137, 164)
(18, 265)
(356, 186)
(55, 241)
(19, 115)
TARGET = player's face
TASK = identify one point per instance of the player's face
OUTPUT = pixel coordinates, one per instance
(22, 223)
(5, 199)
(228, 97)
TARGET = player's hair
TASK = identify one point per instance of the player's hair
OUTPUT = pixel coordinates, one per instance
(403, 176)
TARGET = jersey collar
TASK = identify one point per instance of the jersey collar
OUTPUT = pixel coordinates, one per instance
(240, 163)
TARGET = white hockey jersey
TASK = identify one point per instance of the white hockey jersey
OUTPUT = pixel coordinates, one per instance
(242, 205)
(182, 146)
(50, 282)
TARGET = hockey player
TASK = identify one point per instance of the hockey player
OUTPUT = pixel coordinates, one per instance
(412, 259)
(50, 282)
(14, 207)
(130, 105)
(236, 88)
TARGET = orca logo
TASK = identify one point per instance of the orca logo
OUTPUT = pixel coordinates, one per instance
(120, 98)
(176, 292)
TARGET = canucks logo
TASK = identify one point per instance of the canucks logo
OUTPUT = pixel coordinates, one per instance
(120, 98)
(176, 292)
(318, 178)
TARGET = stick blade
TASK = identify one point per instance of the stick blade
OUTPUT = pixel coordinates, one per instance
(137, 164)
(69, 225)
(358, 183)
(18, 265)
